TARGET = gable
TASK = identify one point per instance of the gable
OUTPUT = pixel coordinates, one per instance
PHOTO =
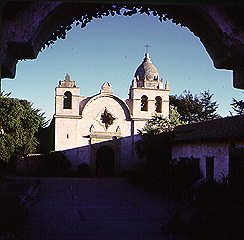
(99, 102)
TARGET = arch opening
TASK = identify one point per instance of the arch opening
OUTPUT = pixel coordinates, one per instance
(105, 161)
(67, 102)
(158, 104)
(54, 24)
(144, 103)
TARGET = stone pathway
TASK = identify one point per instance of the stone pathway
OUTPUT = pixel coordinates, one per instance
(99, 209)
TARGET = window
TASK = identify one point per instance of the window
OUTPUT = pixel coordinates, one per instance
(209, 168)
(158, 104)
(67, 100)
(144, 103)
(107, 118)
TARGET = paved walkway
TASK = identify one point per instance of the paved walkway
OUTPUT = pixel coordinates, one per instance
(95, 209)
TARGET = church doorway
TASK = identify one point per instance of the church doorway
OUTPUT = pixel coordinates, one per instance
(105, 159)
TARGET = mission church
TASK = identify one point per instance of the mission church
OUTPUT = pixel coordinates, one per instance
(101, 130)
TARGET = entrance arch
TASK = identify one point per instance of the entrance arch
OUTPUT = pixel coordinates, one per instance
(218, 27)
(105, 161)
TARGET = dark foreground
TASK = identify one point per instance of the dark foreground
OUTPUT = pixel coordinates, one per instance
(96, 209)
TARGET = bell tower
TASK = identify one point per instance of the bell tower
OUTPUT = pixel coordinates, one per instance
(67, 115)
(67, 98)
(148, 94)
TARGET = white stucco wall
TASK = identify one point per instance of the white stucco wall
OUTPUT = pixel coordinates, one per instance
(73, 126)
(92, 111)
(137, 93)
(66, 133)
(59, 110)
(77, 146)
(220, 151)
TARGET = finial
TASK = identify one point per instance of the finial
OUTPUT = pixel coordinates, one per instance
(67, 77)
(147, 58)
(106, 88)
(167, 85)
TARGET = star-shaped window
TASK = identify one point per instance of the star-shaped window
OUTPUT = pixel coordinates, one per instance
(107, 118)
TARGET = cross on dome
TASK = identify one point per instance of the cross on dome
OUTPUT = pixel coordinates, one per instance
(146, 46)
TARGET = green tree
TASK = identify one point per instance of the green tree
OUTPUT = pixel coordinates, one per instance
(237, 106)
(19, 122)
(154, 126)
(158, 124)
(208, 107)
(195, 108)
(3, 94)
(187, 105)
(175, 117)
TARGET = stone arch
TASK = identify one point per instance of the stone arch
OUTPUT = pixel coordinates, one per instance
(218, 27)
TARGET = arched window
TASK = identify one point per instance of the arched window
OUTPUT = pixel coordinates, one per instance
(67, 100)
(144, 103)
(158, 104)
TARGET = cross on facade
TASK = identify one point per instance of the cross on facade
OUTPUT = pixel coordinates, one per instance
(146, 46)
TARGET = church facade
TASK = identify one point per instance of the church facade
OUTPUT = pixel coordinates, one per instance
(101, 130)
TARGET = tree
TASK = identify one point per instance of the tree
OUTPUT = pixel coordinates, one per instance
(187, 106)
(19, 122)
(3, 94)
(157, 124)
(208, 107)
(194, 108)
(174, 116)
(237, 106)
(154, 126)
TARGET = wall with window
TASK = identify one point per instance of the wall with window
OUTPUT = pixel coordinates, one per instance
(214, 156)
(67, 101)
(145, 102)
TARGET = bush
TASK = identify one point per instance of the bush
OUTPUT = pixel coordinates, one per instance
(210, 217)
(206, 194)
(170, 179)
(83, 170)
(183, 174)
(56, 164)
(12, 214)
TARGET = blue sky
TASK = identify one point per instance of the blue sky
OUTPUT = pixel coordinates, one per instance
(111, 49)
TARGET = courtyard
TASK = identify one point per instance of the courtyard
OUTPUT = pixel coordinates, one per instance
(98, 208)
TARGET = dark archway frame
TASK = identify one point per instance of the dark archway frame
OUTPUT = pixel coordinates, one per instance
(105, 161)
(220, 28)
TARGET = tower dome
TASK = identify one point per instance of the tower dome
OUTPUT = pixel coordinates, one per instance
(146, 75)
(146, 71)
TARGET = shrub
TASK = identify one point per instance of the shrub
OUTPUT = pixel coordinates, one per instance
(83, 170)
(56, 164)
(210, 217)
(183, 174)
(12, 214)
